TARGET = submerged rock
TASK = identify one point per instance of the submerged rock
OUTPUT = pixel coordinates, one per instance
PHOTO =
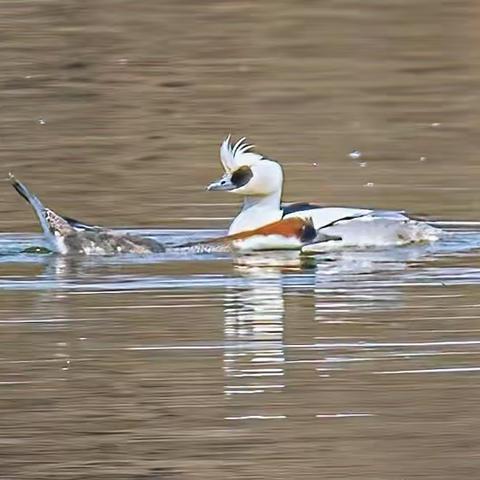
(37, 250)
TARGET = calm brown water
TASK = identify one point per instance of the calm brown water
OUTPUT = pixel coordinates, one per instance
(354, 365)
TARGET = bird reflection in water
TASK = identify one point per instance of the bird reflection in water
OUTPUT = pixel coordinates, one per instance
(254, 323)
(254, 327)
(351, 281)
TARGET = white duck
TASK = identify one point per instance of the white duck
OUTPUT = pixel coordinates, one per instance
(260, 180)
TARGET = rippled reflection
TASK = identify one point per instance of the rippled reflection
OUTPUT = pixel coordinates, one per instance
(254, 322)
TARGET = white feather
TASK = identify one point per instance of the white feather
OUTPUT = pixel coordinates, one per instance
(238, 155)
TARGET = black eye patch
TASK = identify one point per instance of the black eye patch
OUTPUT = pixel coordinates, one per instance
(241, 176)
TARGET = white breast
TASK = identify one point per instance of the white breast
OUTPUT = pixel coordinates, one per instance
(253, 218)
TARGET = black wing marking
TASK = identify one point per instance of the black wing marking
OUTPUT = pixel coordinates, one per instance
(303, 206)
(298, 207)
(342, 219)
(77, 225)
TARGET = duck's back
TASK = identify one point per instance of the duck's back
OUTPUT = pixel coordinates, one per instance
(323, 217)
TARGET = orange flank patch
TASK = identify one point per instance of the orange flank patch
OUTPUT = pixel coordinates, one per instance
(298, 228)
(290, 227)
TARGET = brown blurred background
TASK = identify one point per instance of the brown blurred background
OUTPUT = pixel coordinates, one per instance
(113, 111)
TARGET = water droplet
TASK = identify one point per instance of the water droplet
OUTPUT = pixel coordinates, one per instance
(422, 159)
(315, 164)
(369, 184)
(42, 121)
(435, 124)
(355, 154)
(28, 77)
(123, 61)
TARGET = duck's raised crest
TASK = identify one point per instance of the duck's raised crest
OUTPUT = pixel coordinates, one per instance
(237, 155)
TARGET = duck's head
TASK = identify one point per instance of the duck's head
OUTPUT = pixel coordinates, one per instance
(246, 172)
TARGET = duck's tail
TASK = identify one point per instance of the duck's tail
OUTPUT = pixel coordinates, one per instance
(33, 200)
(53, 225)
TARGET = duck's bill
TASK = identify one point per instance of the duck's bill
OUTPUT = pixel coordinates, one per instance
(223, 184)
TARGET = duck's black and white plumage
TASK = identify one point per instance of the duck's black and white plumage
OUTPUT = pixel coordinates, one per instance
(260, 180)
(65, 235)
